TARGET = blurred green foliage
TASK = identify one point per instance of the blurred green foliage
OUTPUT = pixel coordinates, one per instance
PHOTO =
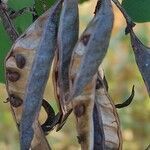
(18, 5)
(121, 73)
(5, 45)
(138, 10)
(42, 5)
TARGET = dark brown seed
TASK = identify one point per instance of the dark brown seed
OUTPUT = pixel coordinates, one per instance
(20, 61)
(12, 76)
(79, 110)
(85, 39)
(81, 138)
(66, 96)
(15, 101)
(99, 84)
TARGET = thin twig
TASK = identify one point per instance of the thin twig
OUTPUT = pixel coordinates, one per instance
(9, 27)
(130, 23)
(128, 101)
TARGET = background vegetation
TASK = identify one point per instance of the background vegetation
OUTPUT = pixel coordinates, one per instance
(121, 72)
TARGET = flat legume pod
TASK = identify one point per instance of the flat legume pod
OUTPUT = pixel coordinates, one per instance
(96, 46)
(83, 103)
(39, 76)
(142, 57)
(67, 38)
(25, 47)
(109, 116)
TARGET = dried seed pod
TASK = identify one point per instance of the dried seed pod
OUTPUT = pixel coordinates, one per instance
(20, 61)
(83, 110)
(26, 45)
(84, 113)
(99, 137)
(96, 47)
(12, 76)
(67, 38)
(39, 76)
(142, 57)
(108, 114)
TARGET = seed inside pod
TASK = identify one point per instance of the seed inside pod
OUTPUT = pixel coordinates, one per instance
(98, 84)
(20, 61)
(79, 110)
(12, 76)
(15, 101)
(85, 39)
(81, 138)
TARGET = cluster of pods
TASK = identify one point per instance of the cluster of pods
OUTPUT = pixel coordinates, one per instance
(79, 82)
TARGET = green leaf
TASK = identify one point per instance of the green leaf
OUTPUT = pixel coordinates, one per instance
(19, 4)
(42, 5)
(23, 22)
(82, 1)
(5, 44)
(138, 10)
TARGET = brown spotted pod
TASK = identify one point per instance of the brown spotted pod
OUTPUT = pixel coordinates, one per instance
(18, 65)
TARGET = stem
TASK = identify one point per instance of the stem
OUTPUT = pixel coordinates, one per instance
(130, 23)
(17, 13)
(9, 27)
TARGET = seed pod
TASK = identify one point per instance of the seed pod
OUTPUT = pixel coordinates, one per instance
(39, 76)
(26, 45)
(142, 57)
(83, 110)
(96, 47)
(67, 38)
(107, 113)
(83, 104)
(99, 137)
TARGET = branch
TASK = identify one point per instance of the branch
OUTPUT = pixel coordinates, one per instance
(128, 101)
(130, 23)
(14, 14)
(9, 27)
